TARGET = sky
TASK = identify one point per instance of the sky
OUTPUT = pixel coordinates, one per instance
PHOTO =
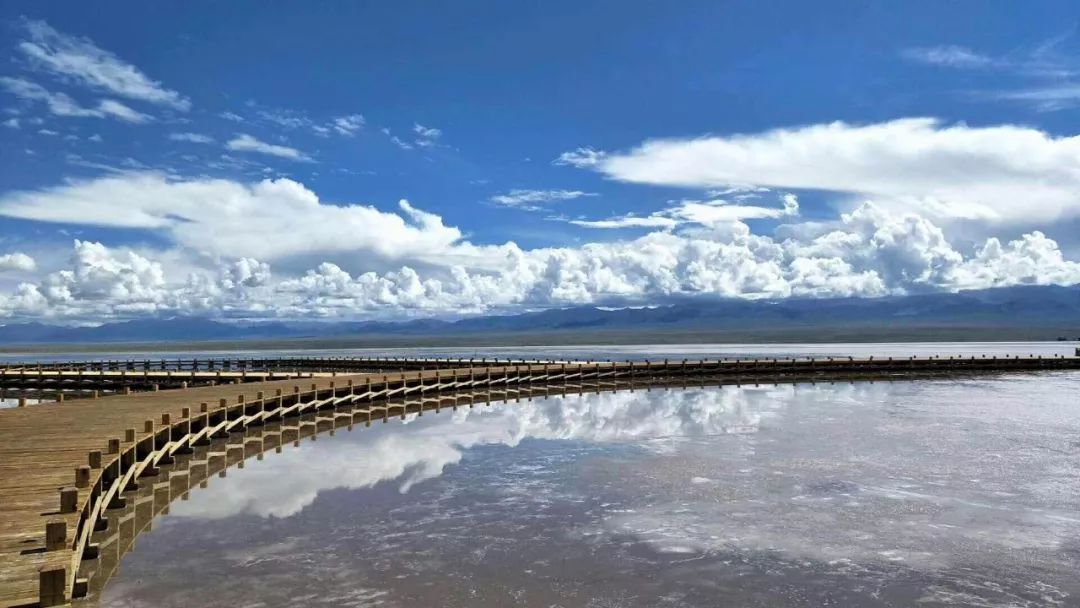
(364, 160)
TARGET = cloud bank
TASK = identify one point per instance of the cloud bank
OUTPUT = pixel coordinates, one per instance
(228, 236)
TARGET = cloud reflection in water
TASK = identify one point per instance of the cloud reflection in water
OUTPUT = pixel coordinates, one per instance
(422, 447)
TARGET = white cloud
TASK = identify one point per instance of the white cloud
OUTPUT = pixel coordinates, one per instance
(711, 214)
(195, 138)
(233, 117)
(247, 143)
(100, 282)
(1045, 98)
(104, 283)
(233, 220)
(532, 200)
(57, 103)
(17, 261)
(426, 137)
(870, 252)
(12, 123)
(48, 132)
(118, 110)
(61, 104)
(289, 119)
(348, 125)
(81, 60)
(950, 56)
(1045, 75)
(580, 158)
(997, 174)
(220, 228)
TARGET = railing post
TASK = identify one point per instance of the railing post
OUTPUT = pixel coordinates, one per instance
(82, 476)
(69, 500)
(55, 535)
(52, 586)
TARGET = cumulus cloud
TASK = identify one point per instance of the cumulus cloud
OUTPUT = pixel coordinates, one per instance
(104, 283)
(99, 282)
(17, 261)
(247, 143)
(533, 200)
(871, 251)
(997, 174)
(82, 61)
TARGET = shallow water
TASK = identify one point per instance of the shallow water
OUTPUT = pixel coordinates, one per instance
(956, 492)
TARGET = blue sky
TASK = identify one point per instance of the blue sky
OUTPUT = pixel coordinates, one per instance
(519, 135)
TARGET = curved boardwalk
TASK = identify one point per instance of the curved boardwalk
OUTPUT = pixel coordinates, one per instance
(65, 467)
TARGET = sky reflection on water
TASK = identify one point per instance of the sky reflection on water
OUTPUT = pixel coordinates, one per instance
(957, 492)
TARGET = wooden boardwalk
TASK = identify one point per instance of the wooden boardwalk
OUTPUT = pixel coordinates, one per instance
(65, 466)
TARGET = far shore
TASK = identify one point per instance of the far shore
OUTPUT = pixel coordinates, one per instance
(799, 335)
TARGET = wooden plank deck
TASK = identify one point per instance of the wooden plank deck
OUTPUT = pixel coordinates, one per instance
(40, 448)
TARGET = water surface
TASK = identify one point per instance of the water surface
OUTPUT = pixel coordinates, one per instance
(955, 492)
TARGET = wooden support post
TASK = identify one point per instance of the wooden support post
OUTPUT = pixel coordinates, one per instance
(94, 458)
(166, 419)
(114, 446)
(52, 586)
(82, 476)
(60, 397)
(22, 401)
(129, 435)
(55, 535)
(69, 500)
(148, 426)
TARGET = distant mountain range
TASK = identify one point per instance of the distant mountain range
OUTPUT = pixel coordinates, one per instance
(1047, 310)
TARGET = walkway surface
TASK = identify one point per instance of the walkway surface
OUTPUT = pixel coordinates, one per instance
(41, 446)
